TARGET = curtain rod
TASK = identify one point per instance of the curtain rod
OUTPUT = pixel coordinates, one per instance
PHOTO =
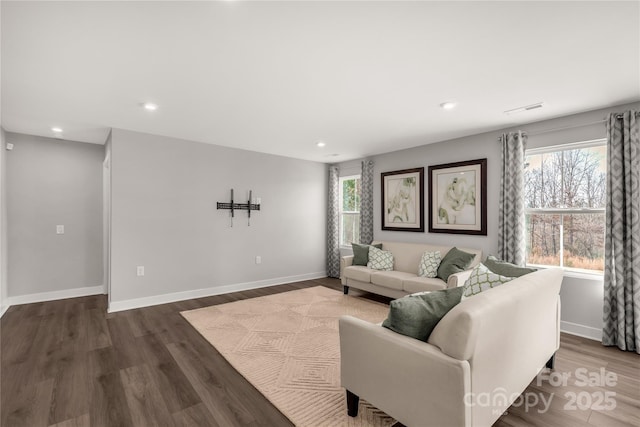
(619, 116)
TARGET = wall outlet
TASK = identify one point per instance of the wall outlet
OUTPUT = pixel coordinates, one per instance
(140, 270)
(258, 259)
(258, 200)
(59, 229)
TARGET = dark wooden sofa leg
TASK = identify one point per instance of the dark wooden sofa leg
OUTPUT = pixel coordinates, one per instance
(352, 404)
(552, 362)
(345, 289)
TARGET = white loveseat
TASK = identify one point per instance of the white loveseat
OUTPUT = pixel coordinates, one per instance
(403, 280)
(479, 358)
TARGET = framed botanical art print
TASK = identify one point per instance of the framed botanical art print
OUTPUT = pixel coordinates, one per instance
(458, 198)
(402, 200)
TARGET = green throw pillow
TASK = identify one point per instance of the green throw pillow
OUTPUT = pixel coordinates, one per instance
(481, 279)
(453, 262)
(417, 315)
(506, 268)
(361, 253)
(379, 259)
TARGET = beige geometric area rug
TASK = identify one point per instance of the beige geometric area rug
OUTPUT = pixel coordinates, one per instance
(287, 345)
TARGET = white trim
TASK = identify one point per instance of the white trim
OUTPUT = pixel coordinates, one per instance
(130, 304)
(581, 330)
(564, 211)
(348, 177)
(55, 295)
(3, 310)
(595, 275)
(568, 146)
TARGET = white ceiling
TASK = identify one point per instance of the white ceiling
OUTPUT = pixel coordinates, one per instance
(275, 77)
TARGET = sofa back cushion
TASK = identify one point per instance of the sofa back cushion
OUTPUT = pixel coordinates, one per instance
(406, 256)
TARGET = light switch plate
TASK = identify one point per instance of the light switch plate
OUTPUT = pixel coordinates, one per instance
(59, 229)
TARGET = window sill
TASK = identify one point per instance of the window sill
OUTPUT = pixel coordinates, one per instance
(568, 272)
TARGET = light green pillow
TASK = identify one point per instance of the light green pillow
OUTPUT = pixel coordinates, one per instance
(361, 253)
(417, 315)
(379, 259)
(453, 262)
(481, 279)
(429, 264)
(506, 268)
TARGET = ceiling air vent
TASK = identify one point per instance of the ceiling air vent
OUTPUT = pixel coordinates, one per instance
(525, 108)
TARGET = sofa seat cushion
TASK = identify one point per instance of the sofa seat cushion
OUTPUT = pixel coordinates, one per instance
(358, 272)
(422, 284)
(390, 279)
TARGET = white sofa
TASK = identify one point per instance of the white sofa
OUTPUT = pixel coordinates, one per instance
(488, 348)
(403, 280)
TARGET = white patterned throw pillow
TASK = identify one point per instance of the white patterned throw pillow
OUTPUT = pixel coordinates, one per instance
(429, 264)
(379, 259)
(481, 279)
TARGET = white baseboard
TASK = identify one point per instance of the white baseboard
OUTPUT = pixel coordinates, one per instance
(581, 330)
(3, 310)
(55, 295)
(130, 304)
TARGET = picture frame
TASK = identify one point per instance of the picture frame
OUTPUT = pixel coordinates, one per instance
(458, 198)
(403, 200)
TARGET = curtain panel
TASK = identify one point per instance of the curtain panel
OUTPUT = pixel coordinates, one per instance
(333, 223)
(621, 312)
(366, 202)
(511, 223)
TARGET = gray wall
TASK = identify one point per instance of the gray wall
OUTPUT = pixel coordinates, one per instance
(3, 223)
(581, 296)
(53, 182)
(163, 216)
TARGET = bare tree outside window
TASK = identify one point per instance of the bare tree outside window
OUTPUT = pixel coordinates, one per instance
(565, 196)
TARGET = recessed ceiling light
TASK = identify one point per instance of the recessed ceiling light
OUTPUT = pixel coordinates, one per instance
(320, 144)
(56, 129)
(150, 106)
(449, 105)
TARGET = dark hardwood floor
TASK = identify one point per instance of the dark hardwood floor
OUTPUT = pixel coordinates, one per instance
(68, 363)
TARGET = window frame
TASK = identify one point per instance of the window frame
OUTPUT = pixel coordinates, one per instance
(562, 212)
(342, 213)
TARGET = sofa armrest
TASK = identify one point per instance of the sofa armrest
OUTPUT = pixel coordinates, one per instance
(345, 262)
(410, 380)
(458, 279)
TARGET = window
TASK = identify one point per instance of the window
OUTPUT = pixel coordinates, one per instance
(565, 196)
(349, 210)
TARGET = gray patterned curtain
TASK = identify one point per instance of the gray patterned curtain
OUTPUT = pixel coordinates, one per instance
(511, 225)
(366, 202)
(622, 242)
(333, 223)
